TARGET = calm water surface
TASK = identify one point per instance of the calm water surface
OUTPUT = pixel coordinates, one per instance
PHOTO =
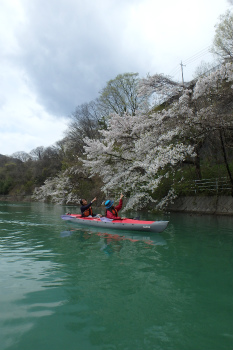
(92, 290)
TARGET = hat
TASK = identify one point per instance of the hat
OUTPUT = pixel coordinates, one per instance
(108, 204)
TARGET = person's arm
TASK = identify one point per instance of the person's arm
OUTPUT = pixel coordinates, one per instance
(119, 206)
(93, 215)
(85, 207)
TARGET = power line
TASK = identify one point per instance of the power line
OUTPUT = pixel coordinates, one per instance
(174, 70)
(197, 54)
(194, 57)
(190, 60)
(197, 57)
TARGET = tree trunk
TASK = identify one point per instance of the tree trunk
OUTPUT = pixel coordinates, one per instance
(225, 159)
(197, 161)
(198, 166)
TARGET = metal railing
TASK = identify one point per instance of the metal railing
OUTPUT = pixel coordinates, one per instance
(217, 185)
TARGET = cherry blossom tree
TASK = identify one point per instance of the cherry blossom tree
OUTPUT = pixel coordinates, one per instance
(137, 153)
(144, 154)
(160, 87)
(204, 68)
(213, 97)
(68, 187)
(55, 190)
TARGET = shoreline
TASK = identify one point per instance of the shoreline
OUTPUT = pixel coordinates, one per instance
(212, 205)
(16, 198)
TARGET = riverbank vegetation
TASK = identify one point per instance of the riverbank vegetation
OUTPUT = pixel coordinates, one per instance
(149, 138)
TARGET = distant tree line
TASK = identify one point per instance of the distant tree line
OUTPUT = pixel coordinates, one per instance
(21, 172)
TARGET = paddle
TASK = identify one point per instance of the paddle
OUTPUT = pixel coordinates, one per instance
(65, 217)
(104, 219)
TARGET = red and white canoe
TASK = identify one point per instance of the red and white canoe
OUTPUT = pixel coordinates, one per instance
(124, 224)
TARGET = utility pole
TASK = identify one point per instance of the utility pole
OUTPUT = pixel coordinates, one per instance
(181, 64)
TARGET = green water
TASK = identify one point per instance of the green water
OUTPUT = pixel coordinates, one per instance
(84, 289)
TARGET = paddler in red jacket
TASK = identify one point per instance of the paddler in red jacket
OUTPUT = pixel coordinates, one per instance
(111, 211)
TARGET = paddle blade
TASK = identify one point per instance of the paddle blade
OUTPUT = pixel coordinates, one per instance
(66, 217)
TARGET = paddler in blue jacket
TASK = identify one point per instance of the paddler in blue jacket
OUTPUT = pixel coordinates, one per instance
(86, 209)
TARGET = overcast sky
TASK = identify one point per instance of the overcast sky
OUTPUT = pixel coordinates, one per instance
(58, 54)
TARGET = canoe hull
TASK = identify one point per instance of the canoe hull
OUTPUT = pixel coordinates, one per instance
(127, 224)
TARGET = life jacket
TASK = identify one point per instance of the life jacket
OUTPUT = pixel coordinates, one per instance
(113, 211)
(88, 212)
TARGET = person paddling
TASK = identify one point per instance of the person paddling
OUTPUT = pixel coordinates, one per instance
(86, 209)
(111, 211)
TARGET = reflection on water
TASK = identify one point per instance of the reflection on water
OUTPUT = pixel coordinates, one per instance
(94, 290)
(111, 242)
